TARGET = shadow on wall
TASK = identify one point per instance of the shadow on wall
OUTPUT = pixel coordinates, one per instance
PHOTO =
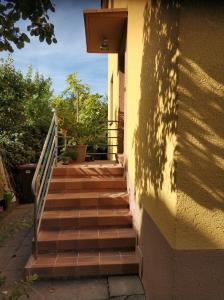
(158, 106)
(201, 134)
(200, 130)
(200, 168)
(200, 147)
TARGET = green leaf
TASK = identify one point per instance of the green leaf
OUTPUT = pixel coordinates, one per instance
(25, 38)
(48, 40)
(41, 37)
(19, 44)
(9, 5)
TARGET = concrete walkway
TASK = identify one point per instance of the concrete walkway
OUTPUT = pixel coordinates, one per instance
(15, 247)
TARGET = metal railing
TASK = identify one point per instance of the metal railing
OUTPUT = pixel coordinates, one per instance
(111, 130)
(111, 127)
(42, 176)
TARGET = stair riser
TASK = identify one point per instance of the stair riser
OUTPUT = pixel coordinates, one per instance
(87, 172)
(89, 222)
(63, 187)
(118, 244)
(89, 203)
(83, 271)
(59, 206)
(76, 196)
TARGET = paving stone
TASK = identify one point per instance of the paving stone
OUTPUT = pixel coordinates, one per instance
(27, 242)
(16, 263)
(4, 260)
(14, 241)
(125, 286)
(12, 276)
(132, 297)
(136, 297)
(119, 298)
(24, 251)
(85, 289)
(7, 250)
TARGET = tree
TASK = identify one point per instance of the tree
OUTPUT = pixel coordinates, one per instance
(66, 112)
(36, 11)
(78, 91)
(24, 113)
(12, 97)
(37, 110)
(82, 113)
(94, 115)
(38, 93)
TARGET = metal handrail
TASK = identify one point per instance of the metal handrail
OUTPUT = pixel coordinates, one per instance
(42, 176)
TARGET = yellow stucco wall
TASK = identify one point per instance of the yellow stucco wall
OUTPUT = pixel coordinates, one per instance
(174, 119)
(151, 101)
(200, 168)
(143, 102)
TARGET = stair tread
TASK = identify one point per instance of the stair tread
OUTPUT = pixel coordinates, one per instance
(86, 195)
(82, 258)
(110, 233)
(86, 227)
(92, 179)
(88, 165)
(80, 213)
(64, 191)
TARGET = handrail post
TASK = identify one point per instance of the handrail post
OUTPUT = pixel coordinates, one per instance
(35, 229)
(42, 177)
(56, 139)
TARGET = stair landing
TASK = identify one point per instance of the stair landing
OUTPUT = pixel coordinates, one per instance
(86, 228)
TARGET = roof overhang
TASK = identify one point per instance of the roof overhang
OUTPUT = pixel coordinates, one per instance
(104, 29)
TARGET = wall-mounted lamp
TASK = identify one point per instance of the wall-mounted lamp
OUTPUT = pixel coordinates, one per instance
(104, 45)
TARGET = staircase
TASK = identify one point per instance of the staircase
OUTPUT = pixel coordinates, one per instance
(86, 227)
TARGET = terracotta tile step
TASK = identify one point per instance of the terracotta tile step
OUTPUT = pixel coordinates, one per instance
(90, 190)
(55, 266)
(76, 219)
(97, 212)
(86, 239)
(72, 184)
(87, 200)
(77, 171)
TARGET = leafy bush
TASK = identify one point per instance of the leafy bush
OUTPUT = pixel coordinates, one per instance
(20, 288)
(24, 113)
(81, 113)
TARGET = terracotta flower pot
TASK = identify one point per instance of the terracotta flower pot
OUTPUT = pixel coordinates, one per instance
(81, 149)
(64, 131)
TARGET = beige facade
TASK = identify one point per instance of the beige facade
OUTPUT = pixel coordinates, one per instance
(174, 142)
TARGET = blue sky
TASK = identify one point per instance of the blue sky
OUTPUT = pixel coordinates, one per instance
(69, 54)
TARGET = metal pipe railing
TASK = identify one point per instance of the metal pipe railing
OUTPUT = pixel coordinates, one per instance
(42, 176)
(111, 136)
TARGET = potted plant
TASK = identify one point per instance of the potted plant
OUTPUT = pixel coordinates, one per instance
(65, 158)
(69, 155)
(73, 129)
(7, 199)
(79, 141)
(64, 132)
(72, 152)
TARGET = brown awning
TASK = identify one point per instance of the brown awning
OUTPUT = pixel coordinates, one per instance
(104, 29)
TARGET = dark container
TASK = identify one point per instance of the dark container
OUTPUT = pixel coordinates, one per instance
(24, 177)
